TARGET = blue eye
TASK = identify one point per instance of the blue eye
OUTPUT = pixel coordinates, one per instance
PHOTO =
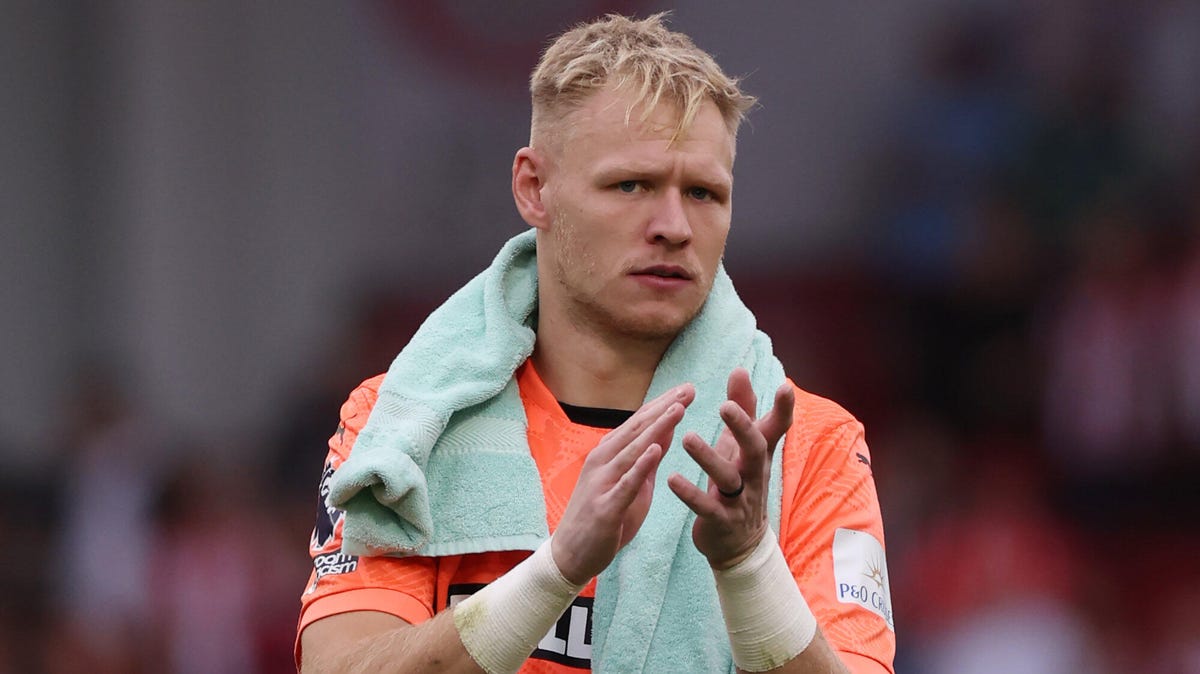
(699, 193)
(628, 186)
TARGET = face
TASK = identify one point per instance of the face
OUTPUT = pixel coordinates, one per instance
(636, 225)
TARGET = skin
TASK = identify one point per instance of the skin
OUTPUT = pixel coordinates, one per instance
(616, 209)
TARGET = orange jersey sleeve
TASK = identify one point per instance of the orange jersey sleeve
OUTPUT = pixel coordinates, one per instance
(340, 583)
(831, 531)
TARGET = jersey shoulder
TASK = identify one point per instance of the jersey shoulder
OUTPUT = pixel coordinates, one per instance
(352, 418)
(815, 417)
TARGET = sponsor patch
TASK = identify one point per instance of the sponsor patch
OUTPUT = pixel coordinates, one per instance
(334, 563)
(860, 573)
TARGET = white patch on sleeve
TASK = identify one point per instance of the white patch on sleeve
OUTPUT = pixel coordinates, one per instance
(860, 573)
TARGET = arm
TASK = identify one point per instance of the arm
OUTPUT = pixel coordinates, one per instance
(497, 628)
(370, 641)
(492, 631)
(770, 625)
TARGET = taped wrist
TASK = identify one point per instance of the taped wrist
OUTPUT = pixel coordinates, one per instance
(767, 618)
(501, 624)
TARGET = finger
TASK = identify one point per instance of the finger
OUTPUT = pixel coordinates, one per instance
(749, 439)
(664, 435)
(645, 416)
(779, 419)
(741, 391)
(727, 447)
(721, 472)
(627, 488)
(663, 425)
(697, 500)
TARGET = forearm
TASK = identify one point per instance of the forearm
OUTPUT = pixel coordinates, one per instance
(432, 646)
(818, 658)
(492, 631)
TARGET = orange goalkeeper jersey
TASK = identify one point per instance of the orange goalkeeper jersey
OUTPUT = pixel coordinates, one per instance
(830, 530)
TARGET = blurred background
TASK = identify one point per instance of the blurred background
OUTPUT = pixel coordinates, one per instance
(974, 224)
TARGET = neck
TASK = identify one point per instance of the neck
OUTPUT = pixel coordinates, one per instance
(581, 367)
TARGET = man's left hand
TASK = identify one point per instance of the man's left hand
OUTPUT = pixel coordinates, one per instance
(731, 516)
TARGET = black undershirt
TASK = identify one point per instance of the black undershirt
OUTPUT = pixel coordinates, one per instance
(596, 417)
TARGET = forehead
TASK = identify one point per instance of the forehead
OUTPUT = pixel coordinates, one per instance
(612, 124)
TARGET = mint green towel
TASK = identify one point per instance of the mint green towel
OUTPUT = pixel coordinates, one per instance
(443, 467)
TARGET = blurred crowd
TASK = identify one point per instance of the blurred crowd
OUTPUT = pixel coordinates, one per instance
(1027, 305)
(1017, 323)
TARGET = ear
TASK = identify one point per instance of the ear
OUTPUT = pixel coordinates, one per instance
(528, 179)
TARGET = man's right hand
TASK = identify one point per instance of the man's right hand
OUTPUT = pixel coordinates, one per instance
(615, 487)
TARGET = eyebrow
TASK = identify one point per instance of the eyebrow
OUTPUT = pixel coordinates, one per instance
(626, 170)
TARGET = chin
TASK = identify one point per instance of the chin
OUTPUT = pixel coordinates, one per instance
(653, 326)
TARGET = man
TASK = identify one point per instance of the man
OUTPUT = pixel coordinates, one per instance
(606, 327)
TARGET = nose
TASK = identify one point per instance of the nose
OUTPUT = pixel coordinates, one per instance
(669, 222)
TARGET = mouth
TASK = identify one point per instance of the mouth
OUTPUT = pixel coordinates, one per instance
(664, 271)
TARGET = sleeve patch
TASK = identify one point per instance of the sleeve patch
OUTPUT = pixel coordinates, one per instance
(324, 539)
(860, 573)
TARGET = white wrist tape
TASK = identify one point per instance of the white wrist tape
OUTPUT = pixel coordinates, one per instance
(767, 618)
(501, 624)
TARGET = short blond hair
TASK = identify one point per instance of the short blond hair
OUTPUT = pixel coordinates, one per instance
(655, 62)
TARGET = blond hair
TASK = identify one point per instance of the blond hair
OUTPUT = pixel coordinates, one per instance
(644, 56)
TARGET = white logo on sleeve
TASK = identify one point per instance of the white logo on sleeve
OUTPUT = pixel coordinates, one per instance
(860, 573)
